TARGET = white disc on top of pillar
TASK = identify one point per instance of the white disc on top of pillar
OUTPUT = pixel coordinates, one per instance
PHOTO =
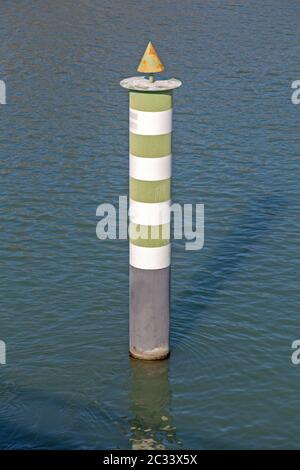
(143, 84)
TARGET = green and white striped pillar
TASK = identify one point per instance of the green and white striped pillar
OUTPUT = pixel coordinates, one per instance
(150, 137)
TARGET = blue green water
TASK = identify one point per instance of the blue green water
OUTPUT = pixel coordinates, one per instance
(68, 382)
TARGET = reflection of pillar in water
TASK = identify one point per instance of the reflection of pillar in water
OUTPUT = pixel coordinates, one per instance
(150, 396)
(151, 106)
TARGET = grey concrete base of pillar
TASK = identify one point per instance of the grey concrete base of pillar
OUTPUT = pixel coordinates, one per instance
(149, 313)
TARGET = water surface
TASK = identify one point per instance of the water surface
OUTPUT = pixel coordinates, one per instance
(69, 382)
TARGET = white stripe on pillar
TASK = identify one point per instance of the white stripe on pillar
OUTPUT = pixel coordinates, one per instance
(150, 123)
(150, 169)
(150, 258)
(149, 213)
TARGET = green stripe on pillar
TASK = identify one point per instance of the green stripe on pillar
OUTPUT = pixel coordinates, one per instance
(145, 101)
(150, 146)
(150, 191)
(149, 236)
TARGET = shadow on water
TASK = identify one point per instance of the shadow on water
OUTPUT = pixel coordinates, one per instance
(15, 436)
(232, 251)
(150, 395)
(35, 419)
(25, 432)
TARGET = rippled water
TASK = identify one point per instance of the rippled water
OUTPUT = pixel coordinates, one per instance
(68, 382)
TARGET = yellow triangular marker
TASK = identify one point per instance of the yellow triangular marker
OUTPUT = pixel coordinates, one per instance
(150, 62)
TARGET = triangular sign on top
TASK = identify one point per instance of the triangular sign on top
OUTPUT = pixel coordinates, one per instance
(150, 62)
